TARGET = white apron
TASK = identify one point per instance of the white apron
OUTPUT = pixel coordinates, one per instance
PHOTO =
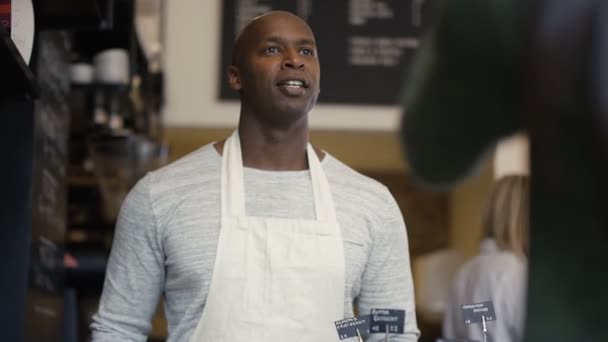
(274, 279)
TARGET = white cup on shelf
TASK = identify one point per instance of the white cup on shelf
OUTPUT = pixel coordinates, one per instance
(112, 67)
(81, 73)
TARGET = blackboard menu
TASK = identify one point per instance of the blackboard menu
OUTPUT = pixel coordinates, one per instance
(365, 46)
(51, 127)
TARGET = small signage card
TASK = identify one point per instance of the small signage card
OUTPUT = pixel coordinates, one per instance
(348, 327)
(472, 312)
(387, 320)
(454, 340)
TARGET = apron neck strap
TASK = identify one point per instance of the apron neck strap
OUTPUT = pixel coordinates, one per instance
(233, 187)
(324, 203)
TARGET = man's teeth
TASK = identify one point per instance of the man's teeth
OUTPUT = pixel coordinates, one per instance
(294, 83)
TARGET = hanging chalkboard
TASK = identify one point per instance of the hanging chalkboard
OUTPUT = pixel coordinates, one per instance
(365, 46)
(51, 128)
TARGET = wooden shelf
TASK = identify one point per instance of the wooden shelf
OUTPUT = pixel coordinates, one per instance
(78, 176)
(17, 78)
(100, 87)
(82, 181)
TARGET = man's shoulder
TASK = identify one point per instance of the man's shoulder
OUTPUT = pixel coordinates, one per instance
(198, 166)
(344, 178)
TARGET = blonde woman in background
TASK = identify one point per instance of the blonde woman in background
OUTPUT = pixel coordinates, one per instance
(499, 272)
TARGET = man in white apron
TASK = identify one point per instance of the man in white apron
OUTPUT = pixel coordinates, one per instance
(250, 299)
(274, 277)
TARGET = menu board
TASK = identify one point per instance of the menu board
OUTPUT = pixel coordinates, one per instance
(365, 46)
(51, 127)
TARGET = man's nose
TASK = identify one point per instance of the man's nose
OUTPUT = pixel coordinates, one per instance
(293, 60)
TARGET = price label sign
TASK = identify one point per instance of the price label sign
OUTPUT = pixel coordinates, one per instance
(348, 327)
(387, 320)
(473, 313)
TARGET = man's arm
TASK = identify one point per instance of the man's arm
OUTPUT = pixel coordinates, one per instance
(135, 274)
(387, 280)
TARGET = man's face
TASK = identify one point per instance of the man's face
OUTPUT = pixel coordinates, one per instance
(277, 69)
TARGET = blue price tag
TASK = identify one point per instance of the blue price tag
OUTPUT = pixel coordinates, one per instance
(472, 312)
(383, 319)
(348, 327)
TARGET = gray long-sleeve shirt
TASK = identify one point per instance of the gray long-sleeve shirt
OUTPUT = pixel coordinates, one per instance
(168, 228)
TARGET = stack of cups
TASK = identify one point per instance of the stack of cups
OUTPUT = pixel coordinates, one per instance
(112, 68)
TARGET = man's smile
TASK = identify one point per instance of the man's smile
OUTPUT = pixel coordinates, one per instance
(293, 86)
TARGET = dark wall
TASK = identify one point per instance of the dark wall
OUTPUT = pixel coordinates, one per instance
(16, 146)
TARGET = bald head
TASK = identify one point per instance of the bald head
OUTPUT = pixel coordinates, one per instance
(251, 31)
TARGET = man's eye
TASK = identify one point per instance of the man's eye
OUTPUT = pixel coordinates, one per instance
(307, 52)
(271, 50)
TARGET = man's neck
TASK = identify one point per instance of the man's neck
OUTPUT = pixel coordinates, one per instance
(278, 149)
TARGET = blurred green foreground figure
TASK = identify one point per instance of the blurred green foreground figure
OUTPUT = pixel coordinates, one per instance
(492, 67)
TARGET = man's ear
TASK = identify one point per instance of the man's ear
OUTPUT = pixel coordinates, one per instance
(234, 78)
